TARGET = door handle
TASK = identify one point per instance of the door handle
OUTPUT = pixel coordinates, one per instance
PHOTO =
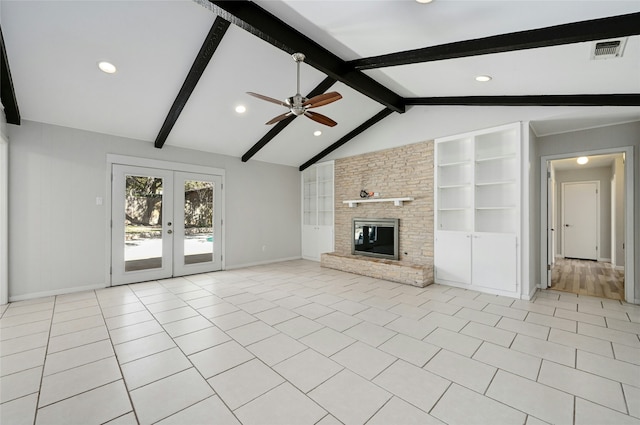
(566, 225)
(169, 231)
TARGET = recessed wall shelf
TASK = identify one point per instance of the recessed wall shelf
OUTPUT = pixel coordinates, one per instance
(396, 201)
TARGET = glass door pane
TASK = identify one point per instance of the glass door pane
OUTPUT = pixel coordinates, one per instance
(142, 228)
(198, 221)
(143, 223)
(198, 239)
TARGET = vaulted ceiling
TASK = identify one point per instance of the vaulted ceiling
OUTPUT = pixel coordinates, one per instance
(405, 70)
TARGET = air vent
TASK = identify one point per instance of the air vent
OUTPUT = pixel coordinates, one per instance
(608, 49)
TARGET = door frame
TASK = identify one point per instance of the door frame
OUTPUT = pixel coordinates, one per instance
(598, 218)
(155, 163)
(629, 174)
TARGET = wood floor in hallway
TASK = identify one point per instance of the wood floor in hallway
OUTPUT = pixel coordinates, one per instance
(586, 277)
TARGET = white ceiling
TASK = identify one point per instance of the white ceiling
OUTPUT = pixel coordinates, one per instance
(595, 161)
(53, 48)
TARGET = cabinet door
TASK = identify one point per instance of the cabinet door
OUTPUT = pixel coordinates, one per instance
(453, 256)
(325, 239)
(310, 243)
(494, 261)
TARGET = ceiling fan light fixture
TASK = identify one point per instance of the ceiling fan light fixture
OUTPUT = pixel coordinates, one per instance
(317, 133)
(241, 109)
(582, 160)
(483, 78)
(107, 67)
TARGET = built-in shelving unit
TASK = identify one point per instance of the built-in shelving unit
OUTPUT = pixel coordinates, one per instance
(477, 208)
(317, 210)
(398, 202)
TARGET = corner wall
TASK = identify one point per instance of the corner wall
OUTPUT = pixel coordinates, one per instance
(57, 232)
(406, 171)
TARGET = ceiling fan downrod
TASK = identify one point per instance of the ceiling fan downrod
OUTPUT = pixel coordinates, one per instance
(297, 100)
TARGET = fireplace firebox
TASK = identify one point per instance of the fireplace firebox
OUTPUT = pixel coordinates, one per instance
(375, 237)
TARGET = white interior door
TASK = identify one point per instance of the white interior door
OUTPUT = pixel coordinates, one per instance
(580, 220)
(164, 224)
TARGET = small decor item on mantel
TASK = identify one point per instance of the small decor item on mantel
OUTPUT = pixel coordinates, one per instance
(365, 194)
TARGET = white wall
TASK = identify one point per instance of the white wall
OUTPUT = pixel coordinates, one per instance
(603, 175)
(57, 232)
(600, 138)
(4, 208)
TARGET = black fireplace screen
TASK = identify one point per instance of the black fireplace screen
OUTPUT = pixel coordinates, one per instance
(375, 237)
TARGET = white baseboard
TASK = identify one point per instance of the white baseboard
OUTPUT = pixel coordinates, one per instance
(604, 260)
(619, 268)
(62, 291)
(261, 263)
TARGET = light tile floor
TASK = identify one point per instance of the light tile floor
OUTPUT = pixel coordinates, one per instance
(292, 343)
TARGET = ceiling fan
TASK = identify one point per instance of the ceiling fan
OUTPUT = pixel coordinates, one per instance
(300, 105)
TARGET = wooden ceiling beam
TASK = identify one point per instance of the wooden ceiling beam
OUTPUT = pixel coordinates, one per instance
(211, 43)
(259, 22)
(7, 91)
(576, 32)
(347, 137)
(532, 100)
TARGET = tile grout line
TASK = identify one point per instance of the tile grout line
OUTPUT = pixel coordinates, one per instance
(44, 363)
(124, 382)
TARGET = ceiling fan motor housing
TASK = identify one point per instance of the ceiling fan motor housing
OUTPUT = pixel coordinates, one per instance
(295, 103)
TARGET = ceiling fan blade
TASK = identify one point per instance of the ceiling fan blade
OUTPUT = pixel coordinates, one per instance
(278, 118)
(268, 99)
(322, 99)
(320, 118)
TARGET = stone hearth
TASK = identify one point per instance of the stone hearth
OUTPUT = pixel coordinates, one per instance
(395, 271)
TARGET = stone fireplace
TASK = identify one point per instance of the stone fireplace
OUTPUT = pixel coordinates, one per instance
(403, 172)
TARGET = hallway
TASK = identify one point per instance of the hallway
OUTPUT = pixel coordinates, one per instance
(586, 277)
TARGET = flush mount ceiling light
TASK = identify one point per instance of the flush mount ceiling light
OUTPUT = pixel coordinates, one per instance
(317, 133)
(241, 109)
(424, 1)
(483, 78)
(582, 160)
(107, 67)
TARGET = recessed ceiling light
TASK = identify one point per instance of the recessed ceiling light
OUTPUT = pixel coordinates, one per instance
(241, 109)
(107, 67)
(424, 1)
(582, 160)
(483, 78)
(317, 133)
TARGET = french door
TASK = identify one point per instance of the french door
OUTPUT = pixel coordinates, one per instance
(164, 223)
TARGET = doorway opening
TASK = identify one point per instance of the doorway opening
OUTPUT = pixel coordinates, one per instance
(587, 223)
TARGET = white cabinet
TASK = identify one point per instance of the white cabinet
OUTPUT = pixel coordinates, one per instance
(477, 209)
(455, 263)
(317, 210)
